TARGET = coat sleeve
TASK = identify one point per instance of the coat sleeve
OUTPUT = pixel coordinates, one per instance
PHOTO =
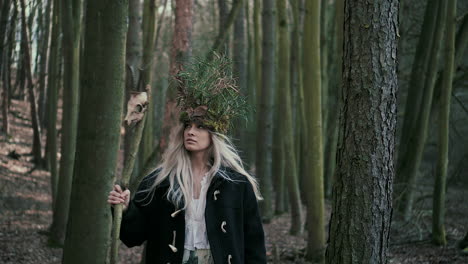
(134, 225)
(254, 236)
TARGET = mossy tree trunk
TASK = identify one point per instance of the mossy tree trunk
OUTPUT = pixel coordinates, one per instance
(313, 109)
(362, 192)
(438, 215)
(101, 103)
(70, 15)
(417, 138)
(286, 117)
(150, 9)
(265, 113)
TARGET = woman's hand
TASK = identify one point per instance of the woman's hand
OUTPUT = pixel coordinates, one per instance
(117, 196)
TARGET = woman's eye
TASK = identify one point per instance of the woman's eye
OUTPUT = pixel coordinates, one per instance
(201, 126)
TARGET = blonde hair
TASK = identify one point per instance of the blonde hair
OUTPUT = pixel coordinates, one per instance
(176, 165)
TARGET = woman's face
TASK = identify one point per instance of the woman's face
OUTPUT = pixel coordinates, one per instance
(196, 138)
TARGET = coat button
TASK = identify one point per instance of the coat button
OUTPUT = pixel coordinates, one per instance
(216, 193)
(223, 224)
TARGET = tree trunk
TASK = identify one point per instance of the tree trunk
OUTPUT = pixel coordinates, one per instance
(258, 48)
(239, 58)
(223, 14)
(417, 138)
(36, 149)
(335, 88)
(419, 73)
(149, 37)
(265, 115)
(45, 37)
(4, 60)
(362, 193)
(438, 227)
(312, 90)
(5, 10)
(180, 51)
(133, 57)
(70, 19)
(101, 102)
(249, 141)
(52, 90)
(286, 125)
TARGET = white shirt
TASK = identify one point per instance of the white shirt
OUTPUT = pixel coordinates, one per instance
(195, 226)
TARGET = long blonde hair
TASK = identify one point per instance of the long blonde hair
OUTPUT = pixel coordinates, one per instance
(176, 165)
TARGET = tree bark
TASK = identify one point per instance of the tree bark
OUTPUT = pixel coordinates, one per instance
(438, 227)
(101, 102)
(147, 75)
(286, 124)
(52, 89)
(312, 90)
(70, 16)
(180, 51)
(36, 149)
(265, 115)
(362, 192)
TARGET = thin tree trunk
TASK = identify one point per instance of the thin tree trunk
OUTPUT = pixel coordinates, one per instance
(239, 58)
(286, 125)
(419, 73)
(70, 17)
(45, 37)
(223, 35)
(362, 192)
(36, 149)
(5, 9)
(150, 8)
(99, 132)
(419, 134)
(133, 57)
(258, 48)
(438, 227)
(52, 90)
(312, 90)
(249, 143)
(179, 53)
(265, 115)
(223, 14)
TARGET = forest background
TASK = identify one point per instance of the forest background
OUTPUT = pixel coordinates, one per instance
(357, 138)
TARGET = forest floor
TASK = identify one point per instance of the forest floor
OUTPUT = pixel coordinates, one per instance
(25, 214)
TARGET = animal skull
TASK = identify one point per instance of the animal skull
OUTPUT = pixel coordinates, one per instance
(136, 107)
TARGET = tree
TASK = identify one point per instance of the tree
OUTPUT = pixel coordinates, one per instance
(362, 192)
(70, 21)
(286, 117)
(418, 135)
(313, 111)
(36, 149)
(265, 115)
(101, 102)
(180, 51)
(415, 92)
(147, 74)
(53, 82)
(438, 227)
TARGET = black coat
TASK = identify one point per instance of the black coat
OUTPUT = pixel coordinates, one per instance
(233, 223)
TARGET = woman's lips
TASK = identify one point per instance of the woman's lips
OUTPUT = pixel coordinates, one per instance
(191, 141)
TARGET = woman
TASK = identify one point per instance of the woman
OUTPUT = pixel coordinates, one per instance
(199, 205)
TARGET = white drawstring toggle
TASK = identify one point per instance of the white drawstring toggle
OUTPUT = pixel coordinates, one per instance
(173, 248)
(222, 226)
(216, 193)
(229, 259)
(176, 212)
